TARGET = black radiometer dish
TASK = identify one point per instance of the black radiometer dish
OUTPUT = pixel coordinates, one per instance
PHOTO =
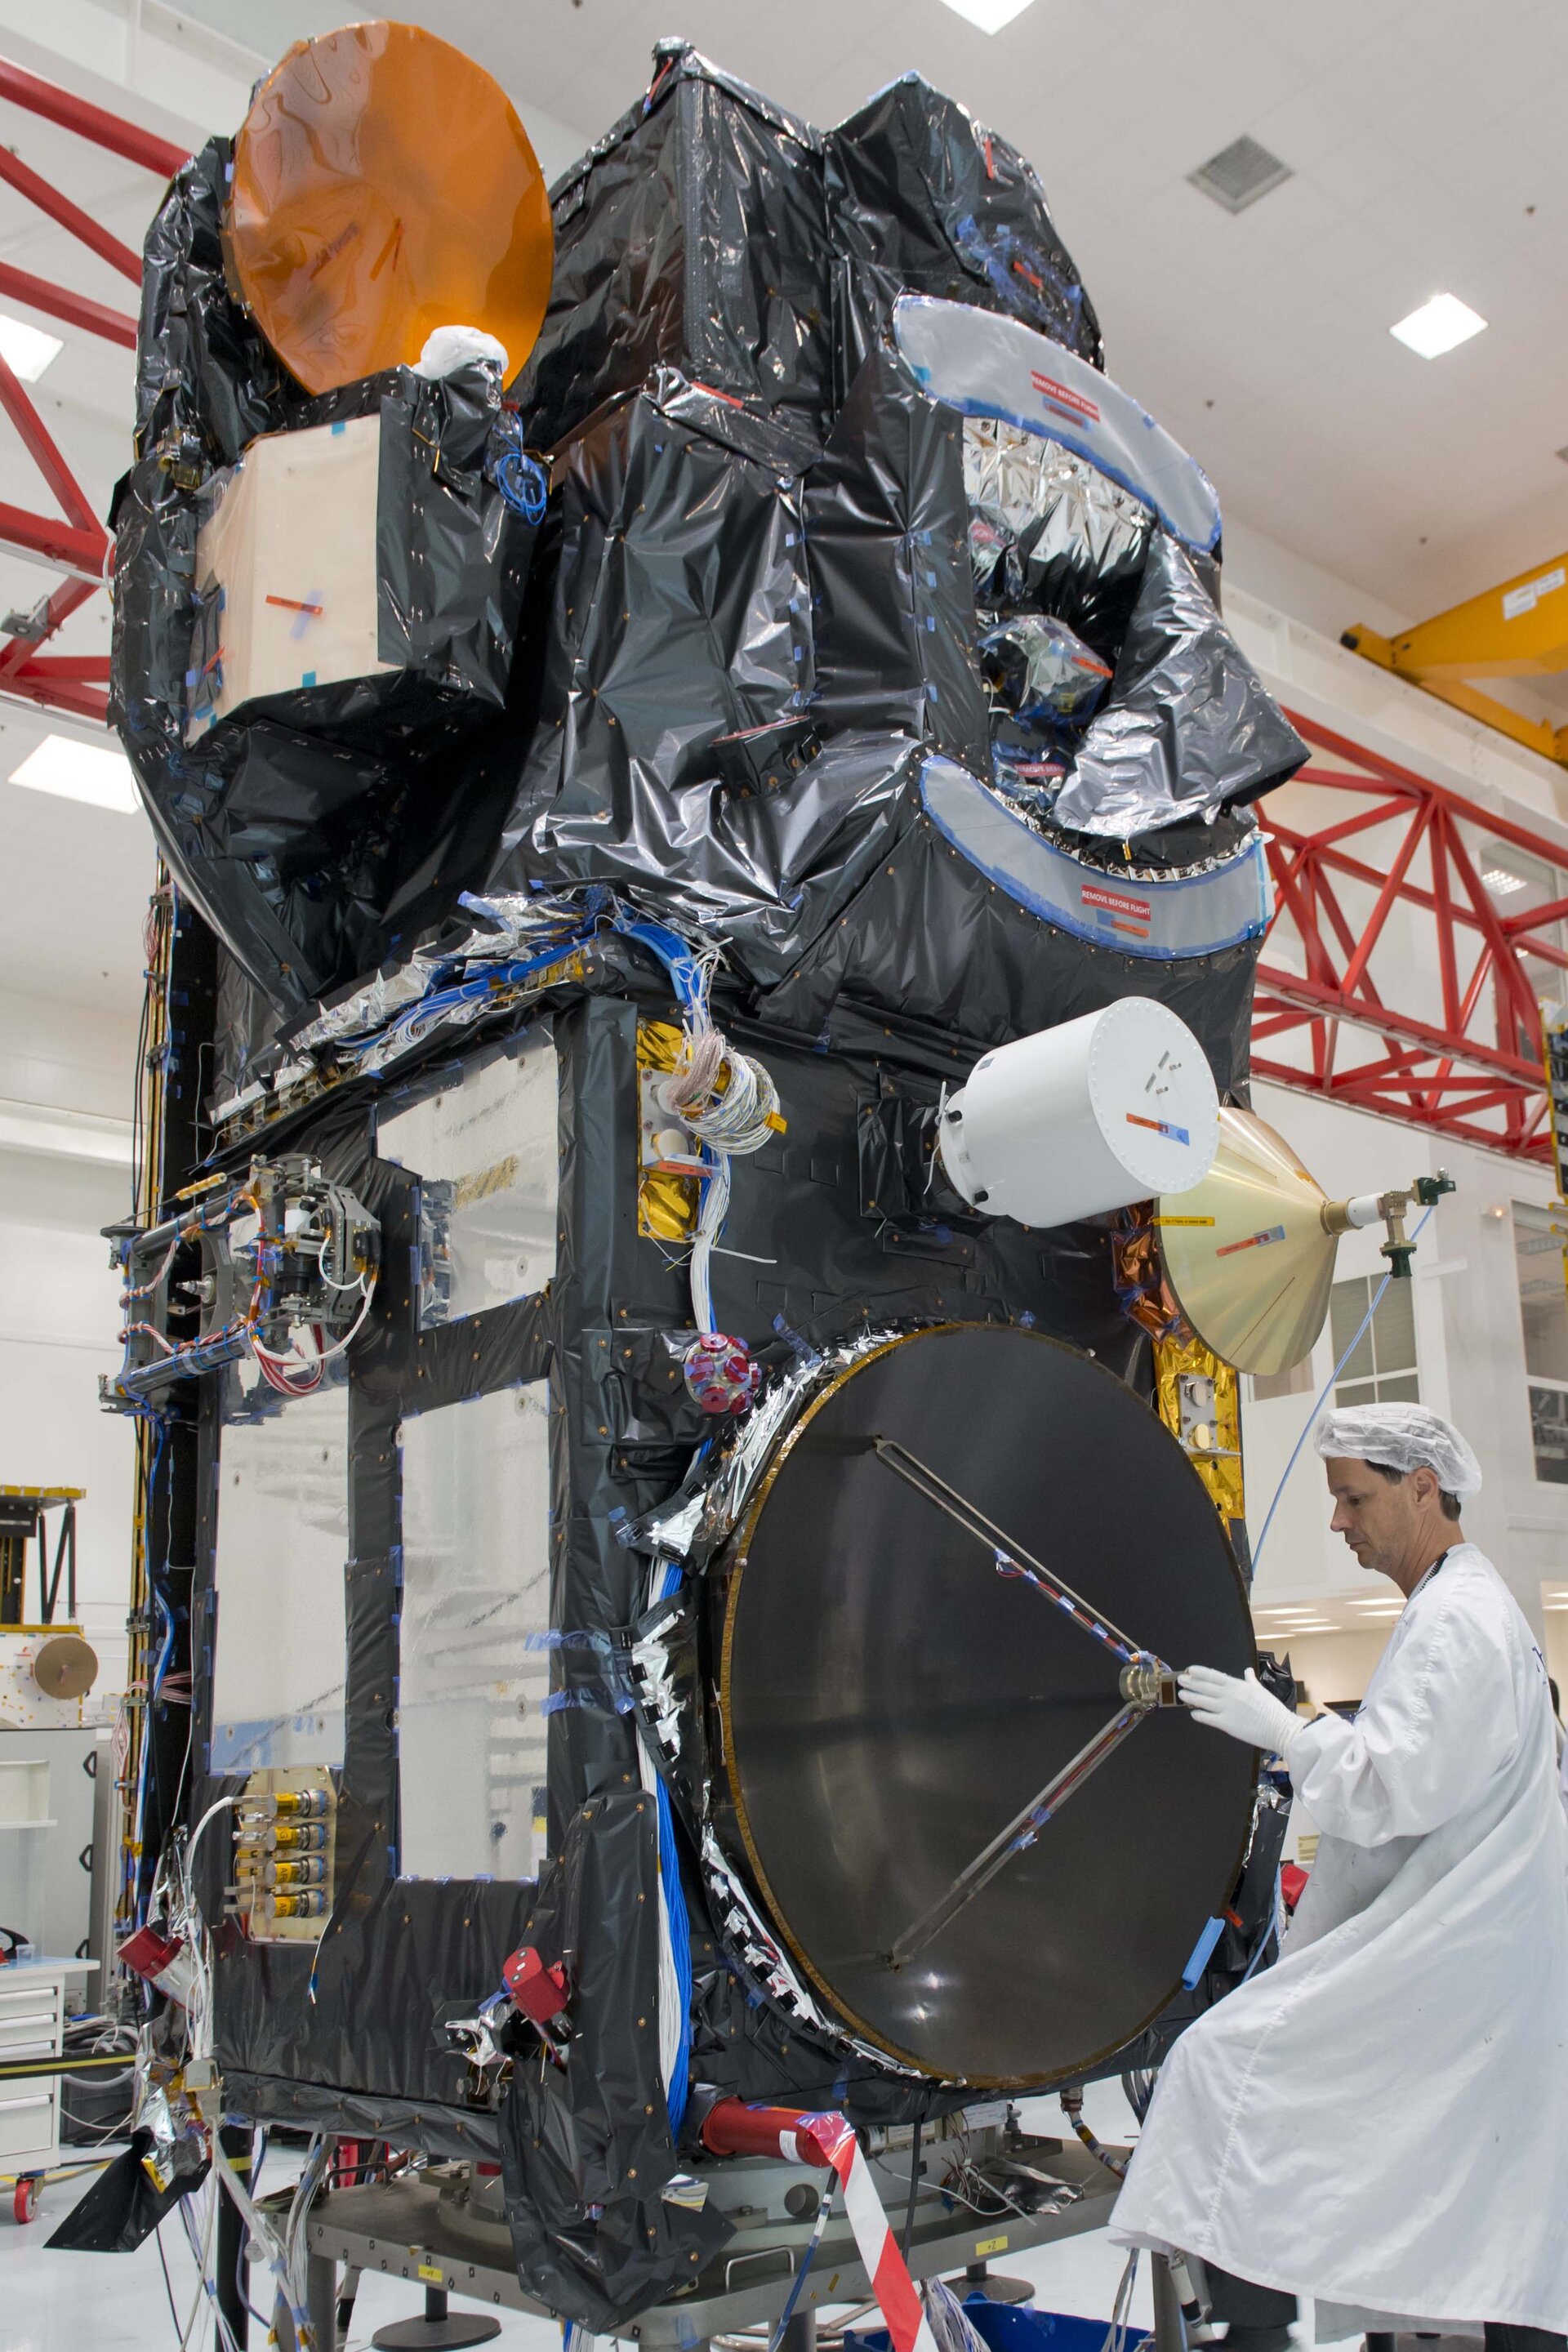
(891, 1701)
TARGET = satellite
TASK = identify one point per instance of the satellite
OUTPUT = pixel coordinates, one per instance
(713, 894)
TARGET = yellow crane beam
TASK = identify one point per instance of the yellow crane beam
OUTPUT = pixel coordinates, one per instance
(1519, 629)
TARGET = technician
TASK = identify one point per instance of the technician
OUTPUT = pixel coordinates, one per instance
(1378, 2121)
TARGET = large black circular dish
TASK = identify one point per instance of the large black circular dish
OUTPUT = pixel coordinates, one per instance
(890, 1702)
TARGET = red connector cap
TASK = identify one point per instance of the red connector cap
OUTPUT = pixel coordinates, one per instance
(539, 1993)
(160, 1960)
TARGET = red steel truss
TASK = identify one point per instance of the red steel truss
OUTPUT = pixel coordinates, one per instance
(1375, 881)
(76, 542)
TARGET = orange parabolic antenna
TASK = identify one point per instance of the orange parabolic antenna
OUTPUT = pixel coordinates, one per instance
(384, 186)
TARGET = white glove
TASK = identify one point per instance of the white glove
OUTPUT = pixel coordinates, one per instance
(1242, 1708)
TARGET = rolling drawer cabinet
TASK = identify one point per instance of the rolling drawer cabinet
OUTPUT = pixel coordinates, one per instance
(32, 2016)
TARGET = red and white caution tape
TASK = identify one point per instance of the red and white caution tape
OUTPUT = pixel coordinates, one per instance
(734, 2128)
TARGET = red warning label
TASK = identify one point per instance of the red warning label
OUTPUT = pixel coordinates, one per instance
(1064, 396)
(1115, 902)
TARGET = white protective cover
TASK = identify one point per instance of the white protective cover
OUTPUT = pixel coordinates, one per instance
(448, 349)
(1115, 1107)
(473, 1654)
(491, 1137)
(983, 365)
(292, 546)
(281, 1655)
(1378, 2121)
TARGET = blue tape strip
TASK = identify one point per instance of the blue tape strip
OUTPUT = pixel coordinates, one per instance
(1192, 1972)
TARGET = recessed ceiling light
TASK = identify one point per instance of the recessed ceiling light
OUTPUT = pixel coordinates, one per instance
(28, 351)
(80, 771)
(1438, 326)
(990, 15)
(1239, 174)
(1499, 879)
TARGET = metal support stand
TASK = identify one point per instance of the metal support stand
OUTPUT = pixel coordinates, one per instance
(800, 2333)
(1170, 2336)
(233, 2268)
(441, 2331)
(409, 2228)
(979, 2278)
(322, 2300)
(347, 2290)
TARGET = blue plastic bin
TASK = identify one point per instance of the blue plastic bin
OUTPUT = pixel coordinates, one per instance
(1019, 2327)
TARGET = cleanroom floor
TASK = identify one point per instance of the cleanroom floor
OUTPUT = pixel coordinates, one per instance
(117, 2302)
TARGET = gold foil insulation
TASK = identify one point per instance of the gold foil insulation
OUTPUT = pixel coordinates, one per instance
(1140, 1287)
(1199, 1402)
(1197, 1393)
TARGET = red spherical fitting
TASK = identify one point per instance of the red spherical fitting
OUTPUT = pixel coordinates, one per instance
(721, 1374)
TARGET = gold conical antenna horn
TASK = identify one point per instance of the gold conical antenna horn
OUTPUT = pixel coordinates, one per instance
(1248, 1252)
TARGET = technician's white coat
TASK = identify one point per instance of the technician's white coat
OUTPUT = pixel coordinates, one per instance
(1381, 2121)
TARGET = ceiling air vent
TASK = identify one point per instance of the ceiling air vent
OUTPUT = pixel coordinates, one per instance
(1239, 174)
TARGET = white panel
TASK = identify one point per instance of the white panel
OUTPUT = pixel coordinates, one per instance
(292, 547)
(486, 1152)
(476, 1585)
(58, 1320)
(282, 1543)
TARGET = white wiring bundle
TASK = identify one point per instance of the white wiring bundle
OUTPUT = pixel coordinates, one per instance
(729, 1102)
(173, 1894)
(296, 1374)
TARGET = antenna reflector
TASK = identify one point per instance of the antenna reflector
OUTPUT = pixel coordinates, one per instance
(384, 186)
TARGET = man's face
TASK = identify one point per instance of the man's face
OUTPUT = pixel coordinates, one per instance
(1375, 1515)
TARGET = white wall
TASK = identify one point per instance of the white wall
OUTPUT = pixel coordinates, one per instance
(1470, 1347)
(71, 991)
(58, 1318)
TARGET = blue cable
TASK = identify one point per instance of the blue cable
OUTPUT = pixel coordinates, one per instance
(159, 1671)
(521, 479)
(500, 976)
(788, 2314)
(1270, 1935)
(686, 973)
(1310, 1420)
(680, 1922)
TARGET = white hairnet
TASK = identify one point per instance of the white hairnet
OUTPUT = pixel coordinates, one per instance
(1401, 1437)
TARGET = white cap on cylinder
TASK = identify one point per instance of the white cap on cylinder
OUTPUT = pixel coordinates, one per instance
(1112, 1109)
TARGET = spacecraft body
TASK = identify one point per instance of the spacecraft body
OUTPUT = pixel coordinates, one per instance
(815, 646)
